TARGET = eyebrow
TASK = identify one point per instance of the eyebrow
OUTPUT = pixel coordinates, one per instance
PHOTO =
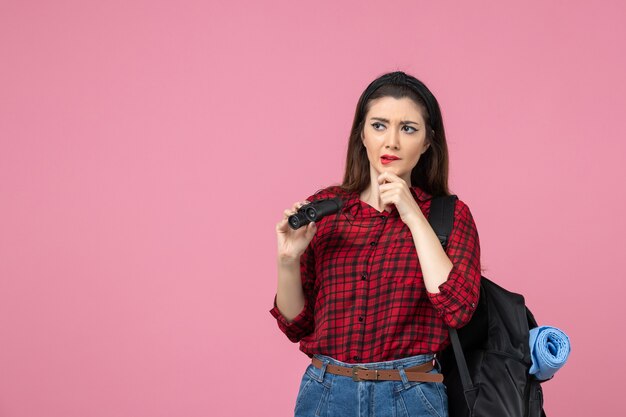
(403, 122)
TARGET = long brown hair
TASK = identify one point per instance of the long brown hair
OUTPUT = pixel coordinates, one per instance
(431, 172)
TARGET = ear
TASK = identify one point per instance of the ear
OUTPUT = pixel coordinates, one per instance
(426, 148)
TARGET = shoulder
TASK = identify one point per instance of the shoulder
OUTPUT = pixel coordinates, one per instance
(463, 214)
(461, 206)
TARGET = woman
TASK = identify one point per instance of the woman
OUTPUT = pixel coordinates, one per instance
(369, 292)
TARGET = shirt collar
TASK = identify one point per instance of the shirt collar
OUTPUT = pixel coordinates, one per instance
(353, 206)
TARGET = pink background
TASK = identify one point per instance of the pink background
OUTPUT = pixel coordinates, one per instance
(148, 148)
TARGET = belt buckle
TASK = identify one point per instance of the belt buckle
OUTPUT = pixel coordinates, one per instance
(355, 376)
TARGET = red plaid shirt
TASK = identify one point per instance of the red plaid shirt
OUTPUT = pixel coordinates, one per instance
(365, 298)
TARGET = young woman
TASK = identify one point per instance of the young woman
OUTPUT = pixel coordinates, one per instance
(370, 292)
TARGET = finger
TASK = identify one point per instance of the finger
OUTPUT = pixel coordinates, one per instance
(311, 228)
(305, 202)
(281, 224)
(387, 176)
(389, 186)
(299, 204)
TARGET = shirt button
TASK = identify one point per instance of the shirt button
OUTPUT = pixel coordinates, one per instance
(364, 276)
(355, 357)
(373, 243)
(473, 305)
(360, 318)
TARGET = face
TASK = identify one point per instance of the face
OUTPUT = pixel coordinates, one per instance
(394, 127)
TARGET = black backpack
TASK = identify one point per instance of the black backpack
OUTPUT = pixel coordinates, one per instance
(486, 366)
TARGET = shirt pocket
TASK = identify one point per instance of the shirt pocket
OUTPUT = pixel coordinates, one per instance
(401, 264)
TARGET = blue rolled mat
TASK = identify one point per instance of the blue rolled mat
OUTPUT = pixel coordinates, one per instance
(549, 349)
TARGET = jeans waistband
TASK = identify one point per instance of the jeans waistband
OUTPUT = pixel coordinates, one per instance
(407, 362)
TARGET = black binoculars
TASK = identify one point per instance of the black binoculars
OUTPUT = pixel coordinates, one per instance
(314, 212)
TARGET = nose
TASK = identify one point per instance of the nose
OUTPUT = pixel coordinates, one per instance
(392, 139)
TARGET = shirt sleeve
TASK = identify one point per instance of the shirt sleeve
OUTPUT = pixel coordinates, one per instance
(457, 298)
(304, 323)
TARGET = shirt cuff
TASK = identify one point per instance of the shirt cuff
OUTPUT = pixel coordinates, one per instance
(447, 299)
(297, 323)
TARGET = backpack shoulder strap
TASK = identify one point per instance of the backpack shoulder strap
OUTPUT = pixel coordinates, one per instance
(441, 216)
(441, 219)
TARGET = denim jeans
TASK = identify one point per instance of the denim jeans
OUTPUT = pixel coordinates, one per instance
(323, 394)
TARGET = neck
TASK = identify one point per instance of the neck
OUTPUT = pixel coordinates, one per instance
(371, 195)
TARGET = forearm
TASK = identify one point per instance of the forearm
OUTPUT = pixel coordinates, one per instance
(289, 293)
(434, 261)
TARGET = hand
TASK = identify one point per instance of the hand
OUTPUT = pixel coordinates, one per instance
(292, 243)
(394, 190)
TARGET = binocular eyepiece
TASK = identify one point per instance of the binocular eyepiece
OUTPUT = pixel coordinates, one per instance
(314, 212)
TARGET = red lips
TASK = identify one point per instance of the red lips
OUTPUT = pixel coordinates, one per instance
(387, 159)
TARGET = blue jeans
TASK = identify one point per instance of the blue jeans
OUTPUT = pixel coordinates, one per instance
(323, 394)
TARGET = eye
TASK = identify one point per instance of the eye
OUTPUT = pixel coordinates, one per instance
(414, 129)
(376, 124)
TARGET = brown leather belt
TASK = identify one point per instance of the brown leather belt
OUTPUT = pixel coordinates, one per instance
(360, 373)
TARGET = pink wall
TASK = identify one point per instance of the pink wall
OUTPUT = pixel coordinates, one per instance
(148, 148)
